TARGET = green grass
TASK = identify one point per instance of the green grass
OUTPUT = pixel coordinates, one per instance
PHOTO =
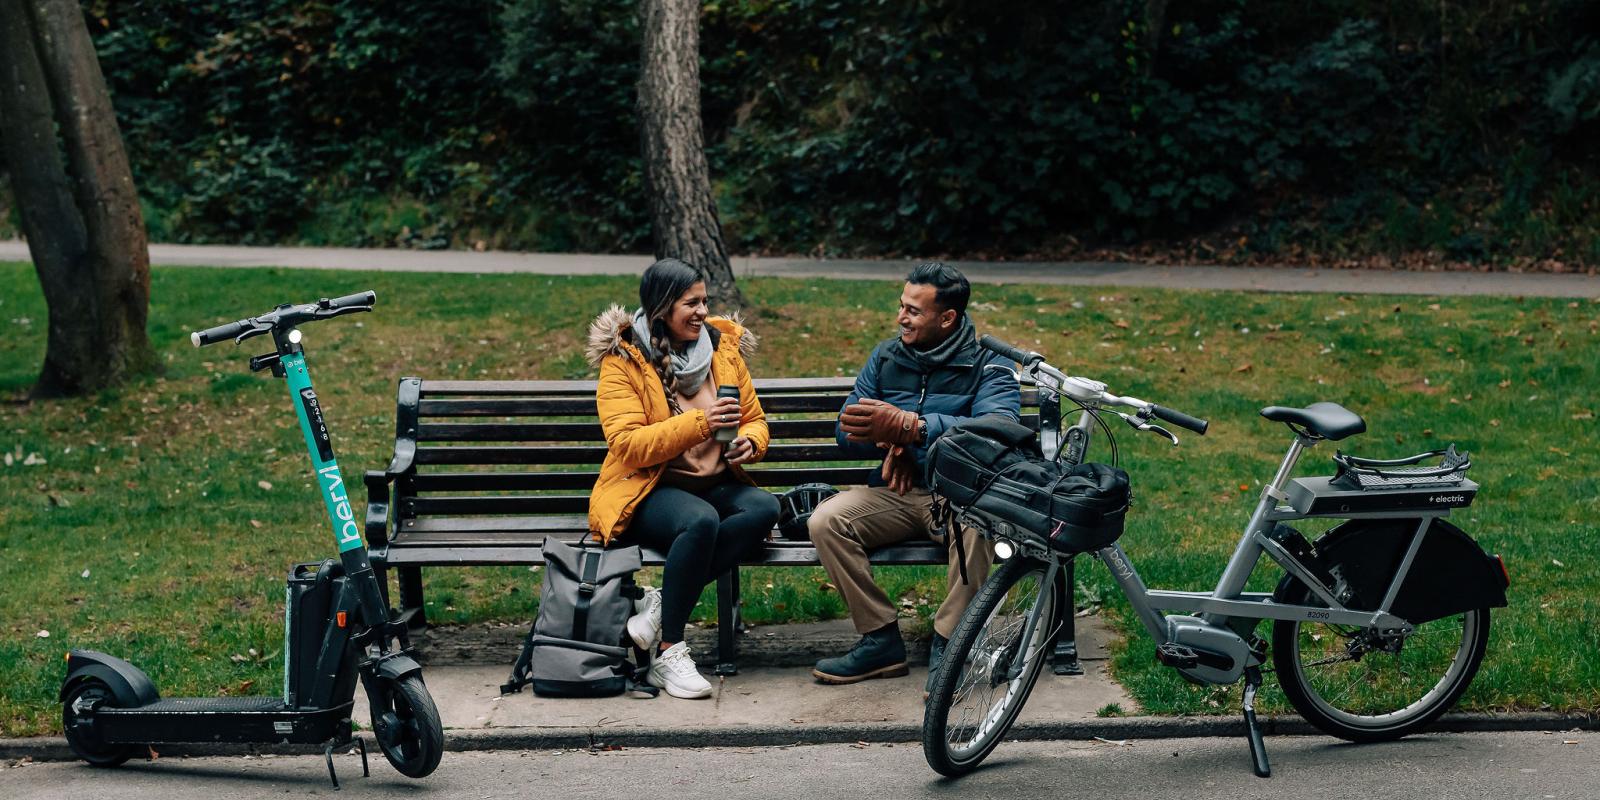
(153, 488)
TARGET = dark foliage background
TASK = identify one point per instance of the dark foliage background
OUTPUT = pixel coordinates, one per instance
(1237, 130)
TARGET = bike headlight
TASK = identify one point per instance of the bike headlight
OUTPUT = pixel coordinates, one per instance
(1003, 549)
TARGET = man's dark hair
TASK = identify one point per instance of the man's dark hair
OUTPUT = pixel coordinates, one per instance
(951, 288)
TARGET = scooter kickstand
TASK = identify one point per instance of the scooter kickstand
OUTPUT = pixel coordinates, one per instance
(1258, 748)
(327, 753)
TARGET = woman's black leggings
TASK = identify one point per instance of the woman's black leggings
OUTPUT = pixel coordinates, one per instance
(704, 534)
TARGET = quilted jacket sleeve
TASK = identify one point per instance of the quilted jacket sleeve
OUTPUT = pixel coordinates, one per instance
(637, 443)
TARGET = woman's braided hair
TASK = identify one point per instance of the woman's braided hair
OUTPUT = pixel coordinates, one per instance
(659, 288)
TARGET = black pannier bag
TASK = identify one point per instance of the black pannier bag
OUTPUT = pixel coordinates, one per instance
(578, 646)
(993, 466)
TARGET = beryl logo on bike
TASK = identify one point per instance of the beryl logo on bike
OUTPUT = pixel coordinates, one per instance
(349, 533)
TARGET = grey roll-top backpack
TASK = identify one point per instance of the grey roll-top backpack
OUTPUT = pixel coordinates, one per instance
(578, 646)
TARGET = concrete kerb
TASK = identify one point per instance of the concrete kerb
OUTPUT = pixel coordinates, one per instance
(1116, 729)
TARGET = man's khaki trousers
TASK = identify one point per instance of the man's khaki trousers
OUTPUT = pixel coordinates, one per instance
(847, 526)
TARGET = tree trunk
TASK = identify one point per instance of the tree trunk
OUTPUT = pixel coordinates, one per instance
(683, 214)
(84, 226)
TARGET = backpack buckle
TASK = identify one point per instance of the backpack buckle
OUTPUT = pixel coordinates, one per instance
(586, 589)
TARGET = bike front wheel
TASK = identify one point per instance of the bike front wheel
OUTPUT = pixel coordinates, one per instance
(1364, 686)
(988, 670)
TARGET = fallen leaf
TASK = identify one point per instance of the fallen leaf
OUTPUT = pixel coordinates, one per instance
(255, 523)
(1242, 368)
(265, 485)
(1557, 562)
(43, 634)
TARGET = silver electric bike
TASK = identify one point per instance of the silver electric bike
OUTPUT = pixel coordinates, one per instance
(1376, 628)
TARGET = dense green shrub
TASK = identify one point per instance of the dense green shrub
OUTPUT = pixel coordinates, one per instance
(871, 126)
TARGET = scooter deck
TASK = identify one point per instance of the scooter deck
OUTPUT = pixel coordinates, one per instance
(262, 720)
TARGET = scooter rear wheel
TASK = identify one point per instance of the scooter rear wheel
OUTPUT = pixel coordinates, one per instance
(81, 734)
(408, 731)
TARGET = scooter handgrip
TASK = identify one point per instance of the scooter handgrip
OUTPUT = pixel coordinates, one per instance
(219, 333)
(366, 298)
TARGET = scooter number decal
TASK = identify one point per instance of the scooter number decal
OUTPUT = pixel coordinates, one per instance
(319, 428)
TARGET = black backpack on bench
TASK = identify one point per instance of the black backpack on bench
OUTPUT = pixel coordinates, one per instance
(578, 646)
(994, 467)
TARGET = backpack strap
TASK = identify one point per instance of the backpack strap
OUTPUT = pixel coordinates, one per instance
(589, 570)
(521, 671)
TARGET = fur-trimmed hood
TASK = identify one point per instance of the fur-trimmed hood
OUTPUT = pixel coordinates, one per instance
(611, 333)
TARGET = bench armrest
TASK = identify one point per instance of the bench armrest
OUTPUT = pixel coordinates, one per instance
(378, 501)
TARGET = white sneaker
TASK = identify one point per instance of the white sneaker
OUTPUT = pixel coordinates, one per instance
(674, 671)
(644, 627)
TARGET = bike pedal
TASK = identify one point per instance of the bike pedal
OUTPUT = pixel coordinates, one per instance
(1177, 656)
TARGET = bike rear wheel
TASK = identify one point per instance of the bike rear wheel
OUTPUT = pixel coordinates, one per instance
(973, 703)
(1357, 684)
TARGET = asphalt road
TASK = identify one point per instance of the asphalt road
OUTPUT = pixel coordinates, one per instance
(1486, 766)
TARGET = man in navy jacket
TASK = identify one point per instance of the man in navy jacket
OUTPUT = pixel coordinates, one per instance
(913, 388)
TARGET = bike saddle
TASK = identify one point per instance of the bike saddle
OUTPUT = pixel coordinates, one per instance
(1331, 421)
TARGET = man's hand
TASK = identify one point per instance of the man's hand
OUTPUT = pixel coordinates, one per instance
(740, 451)
(879, 422)
(899, 469)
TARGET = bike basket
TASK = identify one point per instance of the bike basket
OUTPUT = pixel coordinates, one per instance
(1403, 473)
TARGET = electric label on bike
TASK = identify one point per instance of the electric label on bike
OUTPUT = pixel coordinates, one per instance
(319, 428)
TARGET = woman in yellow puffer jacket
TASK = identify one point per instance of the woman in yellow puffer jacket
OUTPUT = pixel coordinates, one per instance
(667, 482)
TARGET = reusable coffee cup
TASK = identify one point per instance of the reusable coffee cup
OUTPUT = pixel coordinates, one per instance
(726, 435)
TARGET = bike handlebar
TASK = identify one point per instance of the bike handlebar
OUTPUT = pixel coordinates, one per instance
(1024, 357)
(285, 316)
(1180, 419)
(1086, 390)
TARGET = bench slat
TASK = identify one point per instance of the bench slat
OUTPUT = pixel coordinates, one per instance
(591, 431)
(446, 555)
(496, 504)
(533, 481)
(595, 454)
(842, 385)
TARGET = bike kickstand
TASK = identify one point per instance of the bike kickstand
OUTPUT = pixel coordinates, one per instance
(1258, 748)
(327, 753)
(361, 746)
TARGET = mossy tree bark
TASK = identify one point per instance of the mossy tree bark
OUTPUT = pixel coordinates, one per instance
(79, 208)
(683, 213)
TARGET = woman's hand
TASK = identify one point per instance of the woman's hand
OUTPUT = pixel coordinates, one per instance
(725, 413)
(740, 451)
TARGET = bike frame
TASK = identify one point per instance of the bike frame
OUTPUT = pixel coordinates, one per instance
(1229, 600)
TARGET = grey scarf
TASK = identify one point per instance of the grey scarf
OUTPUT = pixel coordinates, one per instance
(938, 355)
(691, 365)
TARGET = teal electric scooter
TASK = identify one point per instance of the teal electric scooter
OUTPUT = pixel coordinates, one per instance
(336, 625)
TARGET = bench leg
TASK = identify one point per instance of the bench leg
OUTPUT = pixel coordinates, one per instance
(410, 579)
(1064, 652)
(728, 623)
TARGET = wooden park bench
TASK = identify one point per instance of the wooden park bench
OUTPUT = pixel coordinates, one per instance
(483, 471)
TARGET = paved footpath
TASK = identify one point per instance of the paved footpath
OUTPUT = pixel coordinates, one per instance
(1079, 273)
(1481, 766)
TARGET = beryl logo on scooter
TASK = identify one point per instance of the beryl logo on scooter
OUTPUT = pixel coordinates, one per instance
(349, 534)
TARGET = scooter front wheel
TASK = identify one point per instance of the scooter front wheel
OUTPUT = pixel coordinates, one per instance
(406, 724)
(77, 722)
